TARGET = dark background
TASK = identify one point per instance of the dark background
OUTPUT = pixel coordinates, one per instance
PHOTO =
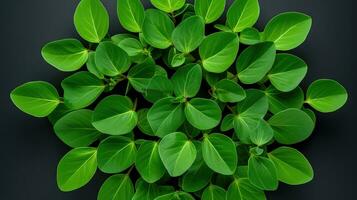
(30, 150)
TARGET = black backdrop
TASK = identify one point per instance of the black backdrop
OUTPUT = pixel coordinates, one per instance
(30, 151)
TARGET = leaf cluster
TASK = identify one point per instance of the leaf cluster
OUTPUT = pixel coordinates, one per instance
(177, 110)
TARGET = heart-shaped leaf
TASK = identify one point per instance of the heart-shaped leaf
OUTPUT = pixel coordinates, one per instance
(37, 98)
(287, 30)
(76, 168)
(91, 20)
(115, 154)
(326, 95)
(177, 153)
(115, 115)
(219, 153)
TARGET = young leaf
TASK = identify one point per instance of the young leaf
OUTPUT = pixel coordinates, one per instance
(166, 116)
(291, 126)
(214, 192)
(242, 189)
(92, 66)
(218, 51)
(255, 62)
(250, 36)
(188, 35)
(81, 89)
(117, 187)
(202, 113)
(292, 166)
(36, 98)
(146, 191)
(177, 153)
(199, 174)
(157, 29)
(263, 134)
(287, 72)
(326, 95)
(111, 59)
(168, 6)
(209, 10)
(262, 173)
(131, 14)
(115, 115)
(287, 30)
(279, 101)
(187, 80)
(76, 130)
(132, 47)
(116, 154)
(148, 162)
(76, 168)
(243, 14)
(227, 122)
(65, 55)
(228, 91)
(219, 153)
(91, 20)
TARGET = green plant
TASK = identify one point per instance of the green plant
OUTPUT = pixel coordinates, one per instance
(168, 109)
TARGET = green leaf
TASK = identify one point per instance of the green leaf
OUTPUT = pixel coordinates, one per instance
(287, 30)
(199, 174)
(115, 115)
(158, 88)
(81, 89)
(146, 191)
(91, 20)
(228, 91)
(187, 80)
(188, 35)
(143, 123)
(140, 75)
(218, 51)
(76, 168)
(227, 122)
(291, 126)
(65, 55)
(177, 153)
(242, 189)
(148, 162)
(214, 192)
(210, 10)
(202, 113)
(279, 101)
(111, 59)
(166, 116)
(219, 153)
(175, 58)
(250, 36)
(243, 14)
(75, 129)
(36, 98)
(116, 154)
(249, 112)
(287, 72)
(92, 66)
(262, 173)
(131, 14)
(176, 196)
(157, 29)
(168, 5)
(326, 95)
(60, 111)
(292, 166)
(263, 134)
(132, 47)
(311, 113)
(255, 62)
(117, 187)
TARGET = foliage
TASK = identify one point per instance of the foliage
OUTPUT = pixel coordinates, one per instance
(171, 110)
